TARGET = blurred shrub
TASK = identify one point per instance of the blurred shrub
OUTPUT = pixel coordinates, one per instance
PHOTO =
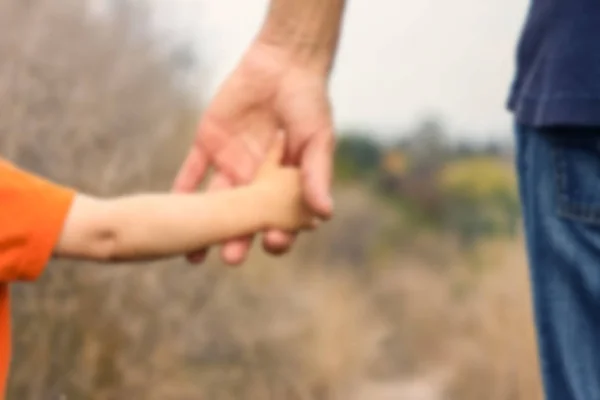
(427, 145)
(434, 184)
(480, 198)
(479, 178)
(357, 156)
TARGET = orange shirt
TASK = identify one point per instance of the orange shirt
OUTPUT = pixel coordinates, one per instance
(32, 213)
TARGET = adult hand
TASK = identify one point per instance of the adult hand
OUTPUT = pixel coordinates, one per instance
(269, 92)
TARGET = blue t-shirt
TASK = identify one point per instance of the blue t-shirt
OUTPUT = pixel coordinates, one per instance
(558, 65)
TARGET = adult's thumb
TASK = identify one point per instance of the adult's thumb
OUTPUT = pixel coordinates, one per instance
(317, 166)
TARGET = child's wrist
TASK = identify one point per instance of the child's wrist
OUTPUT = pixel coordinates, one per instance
(263, 197)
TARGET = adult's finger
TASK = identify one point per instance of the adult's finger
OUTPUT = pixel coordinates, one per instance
(316, 165)
(278, 242)
(192, 171)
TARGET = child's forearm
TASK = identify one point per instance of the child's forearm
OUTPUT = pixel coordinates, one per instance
(154, 226)
(184, 223)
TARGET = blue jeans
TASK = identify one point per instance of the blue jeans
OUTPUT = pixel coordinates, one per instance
(559, 183)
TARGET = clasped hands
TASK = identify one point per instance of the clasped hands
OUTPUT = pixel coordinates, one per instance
(268, 94)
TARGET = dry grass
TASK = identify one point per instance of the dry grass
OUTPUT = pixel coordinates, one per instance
(474, 328)
(502, 361)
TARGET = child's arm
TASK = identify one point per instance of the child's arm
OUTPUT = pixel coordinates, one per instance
(153, 226)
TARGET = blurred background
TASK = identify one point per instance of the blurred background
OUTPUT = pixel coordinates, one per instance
(417, 290)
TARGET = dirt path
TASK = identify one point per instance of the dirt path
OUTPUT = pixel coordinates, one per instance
(414, 389)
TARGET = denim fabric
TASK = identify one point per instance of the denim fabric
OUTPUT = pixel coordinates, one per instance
(559, 183)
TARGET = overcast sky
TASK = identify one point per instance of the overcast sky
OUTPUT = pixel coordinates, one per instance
(398, 59)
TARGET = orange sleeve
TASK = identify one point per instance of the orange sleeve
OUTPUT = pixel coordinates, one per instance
(32, 214)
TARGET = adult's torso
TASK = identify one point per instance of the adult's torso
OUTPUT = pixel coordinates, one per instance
(558, 65)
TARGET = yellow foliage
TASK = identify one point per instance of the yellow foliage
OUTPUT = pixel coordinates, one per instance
(478, 177)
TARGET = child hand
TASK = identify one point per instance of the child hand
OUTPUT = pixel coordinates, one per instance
(281, 189)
